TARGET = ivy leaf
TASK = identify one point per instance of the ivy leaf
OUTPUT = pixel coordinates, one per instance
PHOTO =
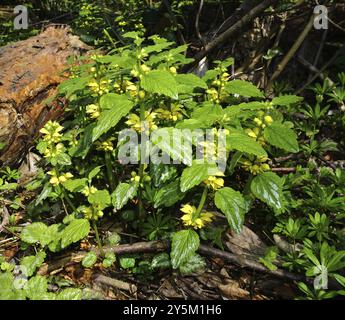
(231, 203)
(268, 188)
(120, 106)
(161, 82)
(75, 231)
(89, 260)
(183, 246)
(123, 193)
(286, 100)
(194, 175)
(168, 195)
(29, 264)
(243, 88)
(241, 142)
(282, 137)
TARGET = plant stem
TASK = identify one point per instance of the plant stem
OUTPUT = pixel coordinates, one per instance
(68, 200)
(109, 171)
(202, 202)
(98, 238)
(141, 169)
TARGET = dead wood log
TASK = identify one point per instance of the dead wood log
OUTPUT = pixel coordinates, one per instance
(30, 72)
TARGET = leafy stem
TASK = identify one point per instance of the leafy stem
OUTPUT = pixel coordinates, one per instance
(109, 170)
(202, 202)
(94, 224)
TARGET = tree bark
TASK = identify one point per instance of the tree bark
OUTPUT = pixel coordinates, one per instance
(30, 72)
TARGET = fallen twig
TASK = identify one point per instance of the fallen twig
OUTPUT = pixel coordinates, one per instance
(115, 283)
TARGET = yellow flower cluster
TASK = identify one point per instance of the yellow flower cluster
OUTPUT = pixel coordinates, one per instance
(214, 182)
(255, 133)
(189, 219)
(174, 114)
(262, 120)
(258, 166)
(135, 177)
(217, 93)
(92, 213)
(52, 132)
(93, 110)
(137, 72)
(104, 146)
(135, 123)
(54, 150)
(101, 87)
(89, 190)
(126, 86)
(56, 180)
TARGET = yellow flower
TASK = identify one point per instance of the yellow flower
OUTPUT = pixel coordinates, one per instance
(93, 110)
(145, 68)
(258, 121)
(135, 177)
(104, 146)
(214, 182)
(173, 114)
(268, 120)
(88, 190)
(55, 180)
(253, 133)
(189, 220)
(101, 87)
(136, 124)
(173, 70)
(51, 132)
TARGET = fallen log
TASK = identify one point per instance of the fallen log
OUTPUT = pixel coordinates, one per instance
(30, 71)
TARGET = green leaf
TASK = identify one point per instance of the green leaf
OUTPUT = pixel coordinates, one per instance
(232, 111)
(78, 229)
(172, 142)
(243, 88)
(282, 137)
(120, 106)
(168, 194)
(194, 175)
(187, 82)
(231, 203)
(123, 193)
(183, 246)
(268, 188)
(286, 100)
(36, 288)
(94, 172)
(109, 260)
(75, 185)
(161, 82)
(70, 294)
(127, 263)
(34, 233)
(29, 264)
(161, 260)
(195, 264)
(89, 260)
(101, 198)
(241, 142)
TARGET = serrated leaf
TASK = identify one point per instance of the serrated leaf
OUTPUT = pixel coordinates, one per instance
(195, 264)
(127, 263)
(123, 193)
(286, 100)
(70, 294)
(243, 88)
(75, 185)
(34, 233)
(101, 198)
(241, 142)
(194, 175)
(187, 82)
(89, 260)
(161, 260)
(282, 137)
(231, 203)
(172, 142)
(183, 246)
(161, 82)
(168, 194)
(268, 188)
(29, 264)
(78, 229)
(109, 118)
